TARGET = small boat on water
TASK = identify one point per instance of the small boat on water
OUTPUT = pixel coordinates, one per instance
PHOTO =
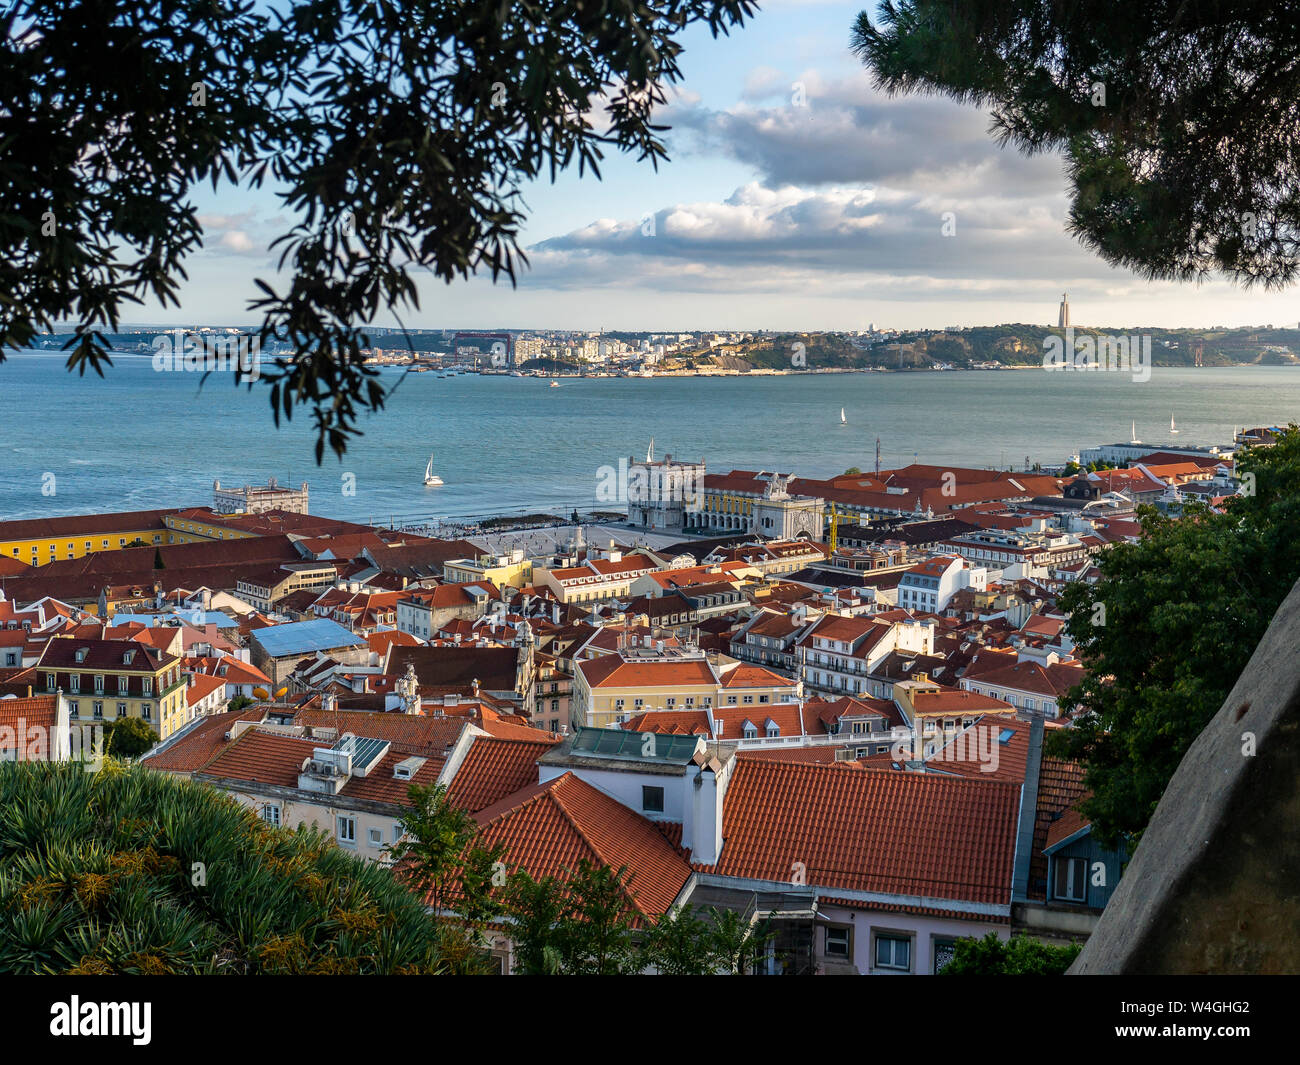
(843, 420)
(1172, 428)
(555, 384)
(431, 479)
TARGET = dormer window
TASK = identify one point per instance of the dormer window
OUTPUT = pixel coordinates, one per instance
(128, 657)
(81, 654)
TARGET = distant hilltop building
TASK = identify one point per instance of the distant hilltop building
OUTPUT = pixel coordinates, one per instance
(258, 499)
(1063, 318)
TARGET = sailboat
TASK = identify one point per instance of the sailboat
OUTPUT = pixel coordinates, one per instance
(1172, 428)
(1134, 438)
(431, 479)
(843, 420)
(555, 384)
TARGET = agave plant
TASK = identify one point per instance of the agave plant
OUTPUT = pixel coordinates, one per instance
(134, 872)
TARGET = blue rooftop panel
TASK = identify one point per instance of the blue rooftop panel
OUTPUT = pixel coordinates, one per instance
(303, 637)
(197, 618)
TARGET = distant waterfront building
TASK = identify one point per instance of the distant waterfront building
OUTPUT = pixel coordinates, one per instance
(1122, 452)
(528, 348)
(783, 516)
(258, 499)
(1063, 319)
(665, 494)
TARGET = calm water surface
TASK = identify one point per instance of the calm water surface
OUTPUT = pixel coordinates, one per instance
(140, 439)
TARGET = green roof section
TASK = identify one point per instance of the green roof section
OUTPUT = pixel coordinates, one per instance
(638, 746)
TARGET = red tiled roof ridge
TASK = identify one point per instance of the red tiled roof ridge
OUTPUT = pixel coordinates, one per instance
(557, 797)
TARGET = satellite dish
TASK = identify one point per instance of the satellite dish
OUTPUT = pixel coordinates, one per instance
(261, 693)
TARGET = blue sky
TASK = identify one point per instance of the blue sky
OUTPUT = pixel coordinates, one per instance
(796, 197)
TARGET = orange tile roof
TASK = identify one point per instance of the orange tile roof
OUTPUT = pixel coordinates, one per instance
(37, 713)
(615, 672)
(962, 757)
(200, 744)
(834, 627)
(414, 733)
(871, 830)
(379, 784)
(670, 722)
(492, 722)
(746, 676)
(788, 718)
(1060, 786)
(495, 768)
(380, 642)
(549, 828)
(934, 567)
(200, 687)
(237, 671)
(1054, 680)
(830, 711)
(821, 755)
(262, 758)
(955, 701)
(1070, 822)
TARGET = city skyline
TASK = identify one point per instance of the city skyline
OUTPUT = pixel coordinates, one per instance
(797, 198)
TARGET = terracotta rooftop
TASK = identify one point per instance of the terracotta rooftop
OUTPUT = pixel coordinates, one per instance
(1060, 786)
(200, 744)
(494, 769)
(746, 676)
(613, 671)
(549, 828)
(871, 830)
(37, 713)
(415, 733)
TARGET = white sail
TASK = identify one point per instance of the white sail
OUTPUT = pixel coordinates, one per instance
(842, 418)
(1172, 427)
(431, 479)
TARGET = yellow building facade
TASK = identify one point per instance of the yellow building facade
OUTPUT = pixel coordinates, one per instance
(37, 541)
(103, 680)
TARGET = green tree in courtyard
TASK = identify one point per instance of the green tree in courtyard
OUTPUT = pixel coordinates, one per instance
(128, 737)
(1167, 630)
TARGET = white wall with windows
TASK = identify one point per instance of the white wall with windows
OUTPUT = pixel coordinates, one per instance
(892, 944)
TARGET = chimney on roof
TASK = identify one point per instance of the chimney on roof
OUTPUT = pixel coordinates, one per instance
(702, 823)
